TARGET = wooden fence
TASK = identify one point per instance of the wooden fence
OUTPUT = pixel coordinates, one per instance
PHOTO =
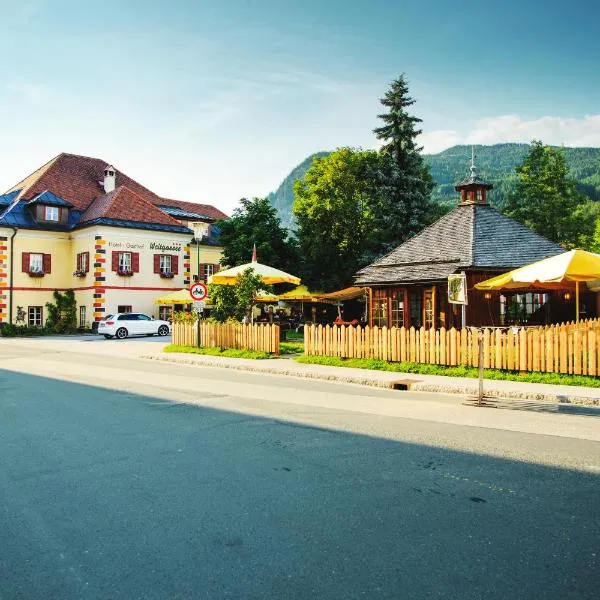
(566, 348)
(259, 337)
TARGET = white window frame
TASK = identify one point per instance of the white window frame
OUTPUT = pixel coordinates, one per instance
(165, 313)
(209, 269)
(82, 260)
(35, 316)
(82, 315)
(36, 263)
(51, 213)
(125, 262)
(166, 263)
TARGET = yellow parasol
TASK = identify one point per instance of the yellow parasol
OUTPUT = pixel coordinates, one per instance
(177, 297)
(575, 265)
(300, 294)
(268, 275)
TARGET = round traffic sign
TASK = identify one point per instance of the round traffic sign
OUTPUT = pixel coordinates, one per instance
(198, 291)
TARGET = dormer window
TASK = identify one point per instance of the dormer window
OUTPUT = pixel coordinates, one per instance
(51, 213)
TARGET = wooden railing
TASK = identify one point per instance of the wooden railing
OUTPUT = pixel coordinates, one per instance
(566, 348)
(259, 337)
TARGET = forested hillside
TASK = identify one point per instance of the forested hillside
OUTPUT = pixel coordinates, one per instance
(495, 163)
(283, 199)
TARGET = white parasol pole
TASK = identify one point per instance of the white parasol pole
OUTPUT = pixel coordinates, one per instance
(577, 302)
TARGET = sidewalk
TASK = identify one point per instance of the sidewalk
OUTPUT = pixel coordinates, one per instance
(419, 383)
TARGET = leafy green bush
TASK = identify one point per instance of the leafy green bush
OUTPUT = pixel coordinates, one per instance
(10, 330)
(181, 316)
(62, 314)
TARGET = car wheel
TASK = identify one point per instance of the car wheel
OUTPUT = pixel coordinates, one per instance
(108, 337)
(122, 333)
(163, 330)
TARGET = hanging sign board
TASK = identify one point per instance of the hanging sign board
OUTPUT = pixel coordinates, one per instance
(457, 289)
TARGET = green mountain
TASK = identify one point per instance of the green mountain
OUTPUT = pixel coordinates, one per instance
(495, 163)
(283, 198)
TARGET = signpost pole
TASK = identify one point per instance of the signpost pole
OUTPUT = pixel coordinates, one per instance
(198, 292)
(198, 275)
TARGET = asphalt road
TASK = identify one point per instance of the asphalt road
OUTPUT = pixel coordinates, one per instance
(282, 488)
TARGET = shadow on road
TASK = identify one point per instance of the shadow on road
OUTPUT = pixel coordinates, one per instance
(115, 495)
(550, 407)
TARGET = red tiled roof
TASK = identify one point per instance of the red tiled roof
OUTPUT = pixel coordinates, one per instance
(77, 179)
(123, 203)
(203, 209)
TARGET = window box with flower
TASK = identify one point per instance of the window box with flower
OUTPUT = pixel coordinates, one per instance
(79, 273)
(33, 272)
(167, 274)
(125, 272)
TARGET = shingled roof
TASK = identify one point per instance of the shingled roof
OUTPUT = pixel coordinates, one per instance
(123, 204)
(78, 180)
(473, 236)
(203, 210)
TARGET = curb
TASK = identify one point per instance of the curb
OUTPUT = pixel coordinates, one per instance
(414, 385)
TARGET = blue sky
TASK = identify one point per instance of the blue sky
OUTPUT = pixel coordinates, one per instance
(212, 100)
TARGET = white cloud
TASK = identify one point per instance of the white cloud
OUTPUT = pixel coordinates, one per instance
(30, 93)
(557, 131)
(436, 141)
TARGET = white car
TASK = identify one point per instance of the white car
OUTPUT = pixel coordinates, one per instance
(122, 325)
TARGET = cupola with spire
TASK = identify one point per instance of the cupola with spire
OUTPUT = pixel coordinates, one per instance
(473, 190)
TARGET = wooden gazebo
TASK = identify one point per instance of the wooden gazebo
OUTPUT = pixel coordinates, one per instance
(409, 286)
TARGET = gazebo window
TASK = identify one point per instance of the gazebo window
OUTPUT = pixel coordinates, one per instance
(398, 310)
(520, 309)
(380, 312)
(415, 308)
(429, 312)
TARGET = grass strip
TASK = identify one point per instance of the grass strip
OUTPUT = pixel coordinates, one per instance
(291, 348)
(230, 353)
(460, 371)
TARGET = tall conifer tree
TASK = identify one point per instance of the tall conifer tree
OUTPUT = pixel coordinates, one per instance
(405, 206)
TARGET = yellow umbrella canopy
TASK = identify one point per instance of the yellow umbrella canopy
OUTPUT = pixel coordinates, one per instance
(300, 294)
(268, 275)
(177, 297)
(263, 296)
(575, 265)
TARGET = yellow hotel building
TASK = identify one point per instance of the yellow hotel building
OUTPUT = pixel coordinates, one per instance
(79, 224)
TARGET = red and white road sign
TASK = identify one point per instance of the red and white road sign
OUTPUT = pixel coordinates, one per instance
(198, 291)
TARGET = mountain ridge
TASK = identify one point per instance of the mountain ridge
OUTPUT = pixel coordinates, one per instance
(495, 163)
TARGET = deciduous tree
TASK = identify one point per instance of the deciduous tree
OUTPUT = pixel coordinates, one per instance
(545, 198)
(256, 222)
(333, 209)
(236, 301)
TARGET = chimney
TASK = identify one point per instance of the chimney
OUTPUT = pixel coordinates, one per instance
(110, 179)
